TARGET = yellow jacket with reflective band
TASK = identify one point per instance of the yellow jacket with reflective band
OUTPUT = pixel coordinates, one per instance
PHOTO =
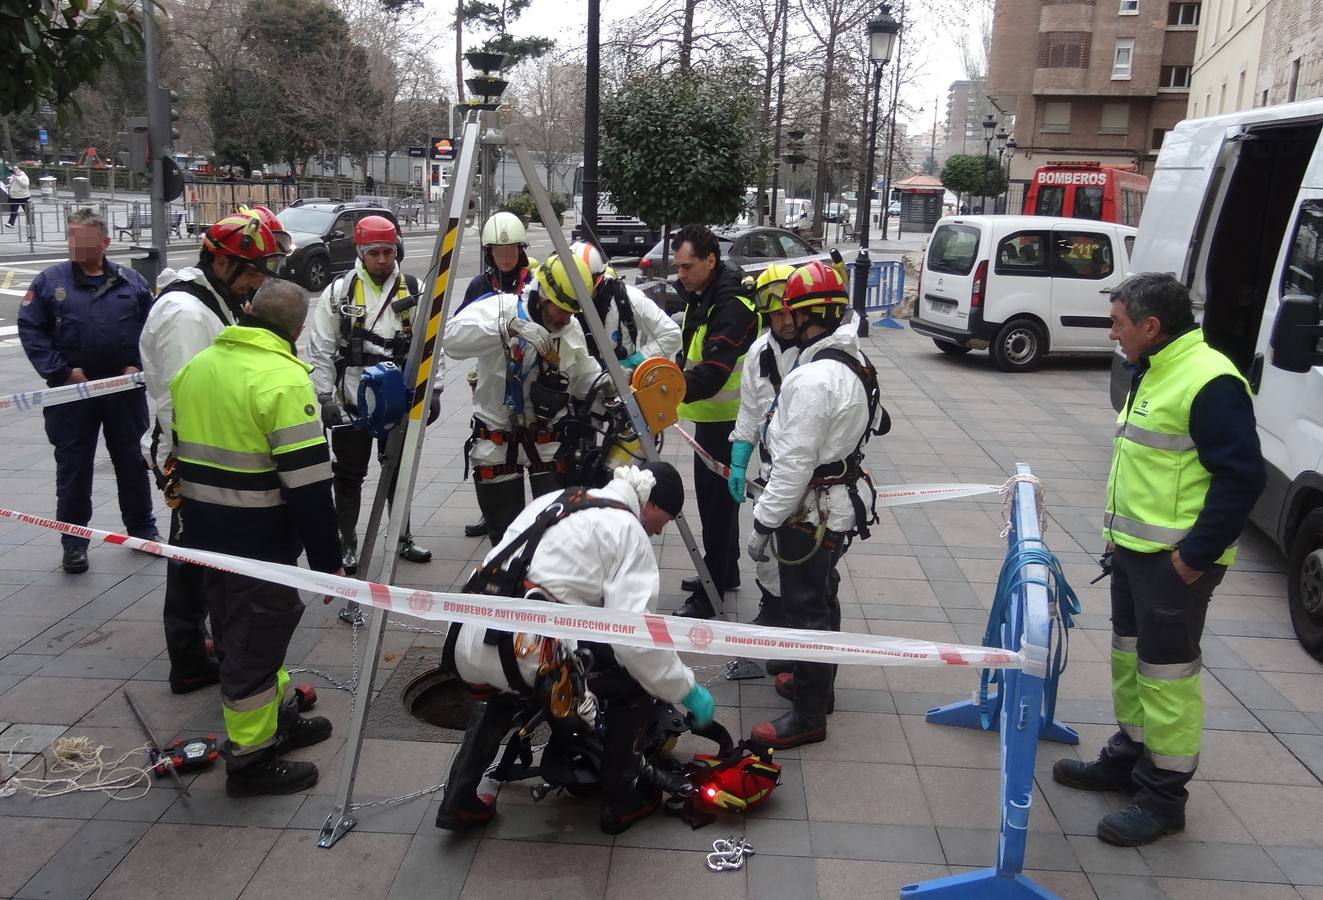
(253, 460)
(1156, 486)
(724, 405)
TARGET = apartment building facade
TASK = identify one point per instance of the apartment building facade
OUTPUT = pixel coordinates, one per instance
(1098, 80)
(1252, 53)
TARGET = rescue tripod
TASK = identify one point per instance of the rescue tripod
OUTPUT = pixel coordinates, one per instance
(405, 444)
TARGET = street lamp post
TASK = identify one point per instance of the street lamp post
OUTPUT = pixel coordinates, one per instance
(1002, 137)
(989, 126)
(1011, 147)
(882, 33)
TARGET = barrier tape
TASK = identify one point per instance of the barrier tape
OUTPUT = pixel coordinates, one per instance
(887, 494)
(647, 630)
(71, 393)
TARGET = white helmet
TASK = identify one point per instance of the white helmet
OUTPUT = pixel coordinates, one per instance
(592, 257)
(504, 228)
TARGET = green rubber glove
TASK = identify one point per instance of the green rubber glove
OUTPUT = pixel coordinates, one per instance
(700, 704)
(740, 452)
(632, 361)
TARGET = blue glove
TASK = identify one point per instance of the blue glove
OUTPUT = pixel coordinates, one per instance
(740, 452)
(632, 361)
(700, 704)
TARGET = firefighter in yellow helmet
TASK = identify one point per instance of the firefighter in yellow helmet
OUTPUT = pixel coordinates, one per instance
(531, 356)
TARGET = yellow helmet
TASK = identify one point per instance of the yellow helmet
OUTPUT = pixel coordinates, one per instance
(553, 281)
(771, 284)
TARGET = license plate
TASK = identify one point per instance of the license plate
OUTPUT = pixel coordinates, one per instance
(942, 305)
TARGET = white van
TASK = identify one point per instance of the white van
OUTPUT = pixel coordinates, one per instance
(1021, 286)
(1235, 210)
(798, 213)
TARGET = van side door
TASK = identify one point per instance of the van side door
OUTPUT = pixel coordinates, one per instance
(1084, 271)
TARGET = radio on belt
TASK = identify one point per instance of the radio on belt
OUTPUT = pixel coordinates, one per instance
(383, 399)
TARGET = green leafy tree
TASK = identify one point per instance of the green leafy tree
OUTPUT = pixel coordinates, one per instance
(681, 146)
(53, 47)
(978, 176)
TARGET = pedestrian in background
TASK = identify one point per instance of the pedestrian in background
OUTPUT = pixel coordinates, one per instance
(1186, 471)
(81, 321)
(20, 192)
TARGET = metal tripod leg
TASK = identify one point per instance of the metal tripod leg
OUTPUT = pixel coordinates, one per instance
(512, 139)
(420, 372)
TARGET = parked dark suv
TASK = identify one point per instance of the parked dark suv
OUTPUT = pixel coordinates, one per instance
(323, 234)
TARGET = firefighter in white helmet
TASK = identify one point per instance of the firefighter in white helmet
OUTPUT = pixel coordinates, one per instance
(638, 328)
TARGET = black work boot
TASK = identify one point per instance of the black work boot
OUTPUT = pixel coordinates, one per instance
(695, 606)
(270, 775)
(304, 731)
(770, 612)
(411, 552)
(477, 529)
(626, 798)
(1135, 826)
(461, 805)
(1095, 775)
(349, 559)
(694, 585)
(785, 687)
(75, 560)
(807, 722)
(206, 675)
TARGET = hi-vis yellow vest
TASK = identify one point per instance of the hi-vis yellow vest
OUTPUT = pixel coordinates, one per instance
(1156, 486)
(724, 405)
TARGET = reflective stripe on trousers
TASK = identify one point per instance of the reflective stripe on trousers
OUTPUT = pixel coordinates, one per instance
(250, 722)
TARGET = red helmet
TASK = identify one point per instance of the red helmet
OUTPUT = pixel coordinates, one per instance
(816, 287)
(373, 231)
(739, 779)
(269, 219)
(246, 238)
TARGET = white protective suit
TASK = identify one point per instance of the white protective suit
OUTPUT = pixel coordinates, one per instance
(820, 417)
(178, 328)
(481, 331)
(594, 557)
(756, 396)
(658, 335)
(324, 329)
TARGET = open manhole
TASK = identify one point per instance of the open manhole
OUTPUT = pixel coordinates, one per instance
(439, 699)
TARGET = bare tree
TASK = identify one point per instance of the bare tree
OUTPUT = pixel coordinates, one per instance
(550, 104)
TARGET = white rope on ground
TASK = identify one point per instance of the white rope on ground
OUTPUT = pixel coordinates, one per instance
(75, 760)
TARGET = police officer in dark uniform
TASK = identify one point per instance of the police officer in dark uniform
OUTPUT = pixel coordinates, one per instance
(80, 321)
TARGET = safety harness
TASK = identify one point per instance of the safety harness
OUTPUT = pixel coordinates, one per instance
(618, 295)
(350, 351)
(548, 395)
(506, 575)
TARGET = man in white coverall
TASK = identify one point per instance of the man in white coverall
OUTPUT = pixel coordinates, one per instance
(811, 503)
(596, 555)
(364, 317)
(766, 365)
(531, 355)
(638, 328)
(238, 253)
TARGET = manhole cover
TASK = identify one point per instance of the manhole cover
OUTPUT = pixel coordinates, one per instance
(390, 717)
(438, 698)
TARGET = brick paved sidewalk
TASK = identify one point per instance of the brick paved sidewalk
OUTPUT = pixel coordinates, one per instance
(887, 800)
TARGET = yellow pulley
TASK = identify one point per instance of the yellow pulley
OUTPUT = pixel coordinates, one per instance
(659, 388)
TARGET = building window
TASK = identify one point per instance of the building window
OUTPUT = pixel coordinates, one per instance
(1063, 50)
(1264, 101)
(1240, 90)
(1175, 77)
(1158, 135)
(1183, 15)
(1115, 118)
(1129, 8)
(1295, 80)
(1056, 117)
(1121, 58)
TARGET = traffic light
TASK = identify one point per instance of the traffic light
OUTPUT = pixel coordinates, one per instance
(139, 161)
(169, 133)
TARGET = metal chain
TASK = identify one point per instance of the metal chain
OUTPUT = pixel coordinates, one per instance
(352, 684)
(413, 795)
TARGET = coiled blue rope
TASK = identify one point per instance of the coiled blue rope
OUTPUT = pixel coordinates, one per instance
(1067, 606)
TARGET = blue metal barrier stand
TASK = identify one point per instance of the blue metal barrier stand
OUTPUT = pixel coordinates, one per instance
(966, 713)
(1028, 629)
(894, 278)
